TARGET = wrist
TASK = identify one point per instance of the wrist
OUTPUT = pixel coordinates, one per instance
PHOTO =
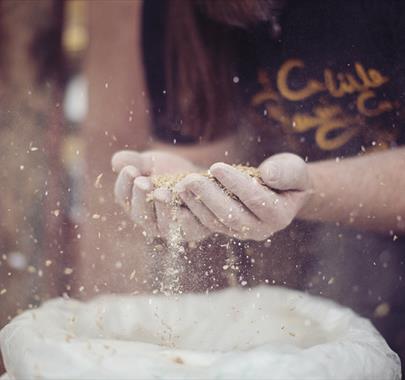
(310, 207)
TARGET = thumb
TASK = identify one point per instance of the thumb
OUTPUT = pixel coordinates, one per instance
(125, 158)
(285, 171)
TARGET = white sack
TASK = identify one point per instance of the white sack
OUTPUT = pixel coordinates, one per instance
(264, 333)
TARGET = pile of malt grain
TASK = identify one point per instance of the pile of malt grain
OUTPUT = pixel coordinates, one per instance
(169, 181)
(173, 263)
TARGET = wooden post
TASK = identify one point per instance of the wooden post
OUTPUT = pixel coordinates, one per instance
(118, 119)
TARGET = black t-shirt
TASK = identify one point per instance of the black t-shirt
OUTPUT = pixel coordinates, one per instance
(334, 81)
(332, 85)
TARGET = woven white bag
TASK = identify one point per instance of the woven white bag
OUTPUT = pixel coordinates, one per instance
(263, 333)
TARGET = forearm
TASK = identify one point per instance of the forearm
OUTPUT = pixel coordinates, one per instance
(204, 154)
(365, 192)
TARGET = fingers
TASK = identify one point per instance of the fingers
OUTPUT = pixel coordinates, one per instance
(285, 171)
(131, 191)
(123, 185)
(164, 211)
(246, 210)
(211, 222)
(169, 218)
(260, 200)
(142, 209)
(202, 213)
(192, 230)
(227, 210)
(125, 158)
(151, 162)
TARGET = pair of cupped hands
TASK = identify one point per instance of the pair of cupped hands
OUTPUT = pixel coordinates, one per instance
(256, 210)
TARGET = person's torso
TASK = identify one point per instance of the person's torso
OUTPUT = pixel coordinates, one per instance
(331, 86)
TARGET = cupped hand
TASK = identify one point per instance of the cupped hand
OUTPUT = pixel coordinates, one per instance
(248, 208)
(134, 190)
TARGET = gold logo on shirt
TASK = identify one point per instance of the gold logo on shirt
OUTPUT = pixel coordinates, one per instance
(333, 126)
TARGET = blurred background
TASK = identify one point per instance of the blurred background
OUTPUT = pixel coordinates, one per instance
(66, 104)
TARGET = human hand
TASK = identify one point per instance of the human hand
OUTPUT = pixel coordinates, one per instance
(134, 186)
(257, 210)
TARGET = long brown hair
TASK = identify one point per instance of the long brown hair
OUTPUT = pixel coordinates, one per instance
(200, 61)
